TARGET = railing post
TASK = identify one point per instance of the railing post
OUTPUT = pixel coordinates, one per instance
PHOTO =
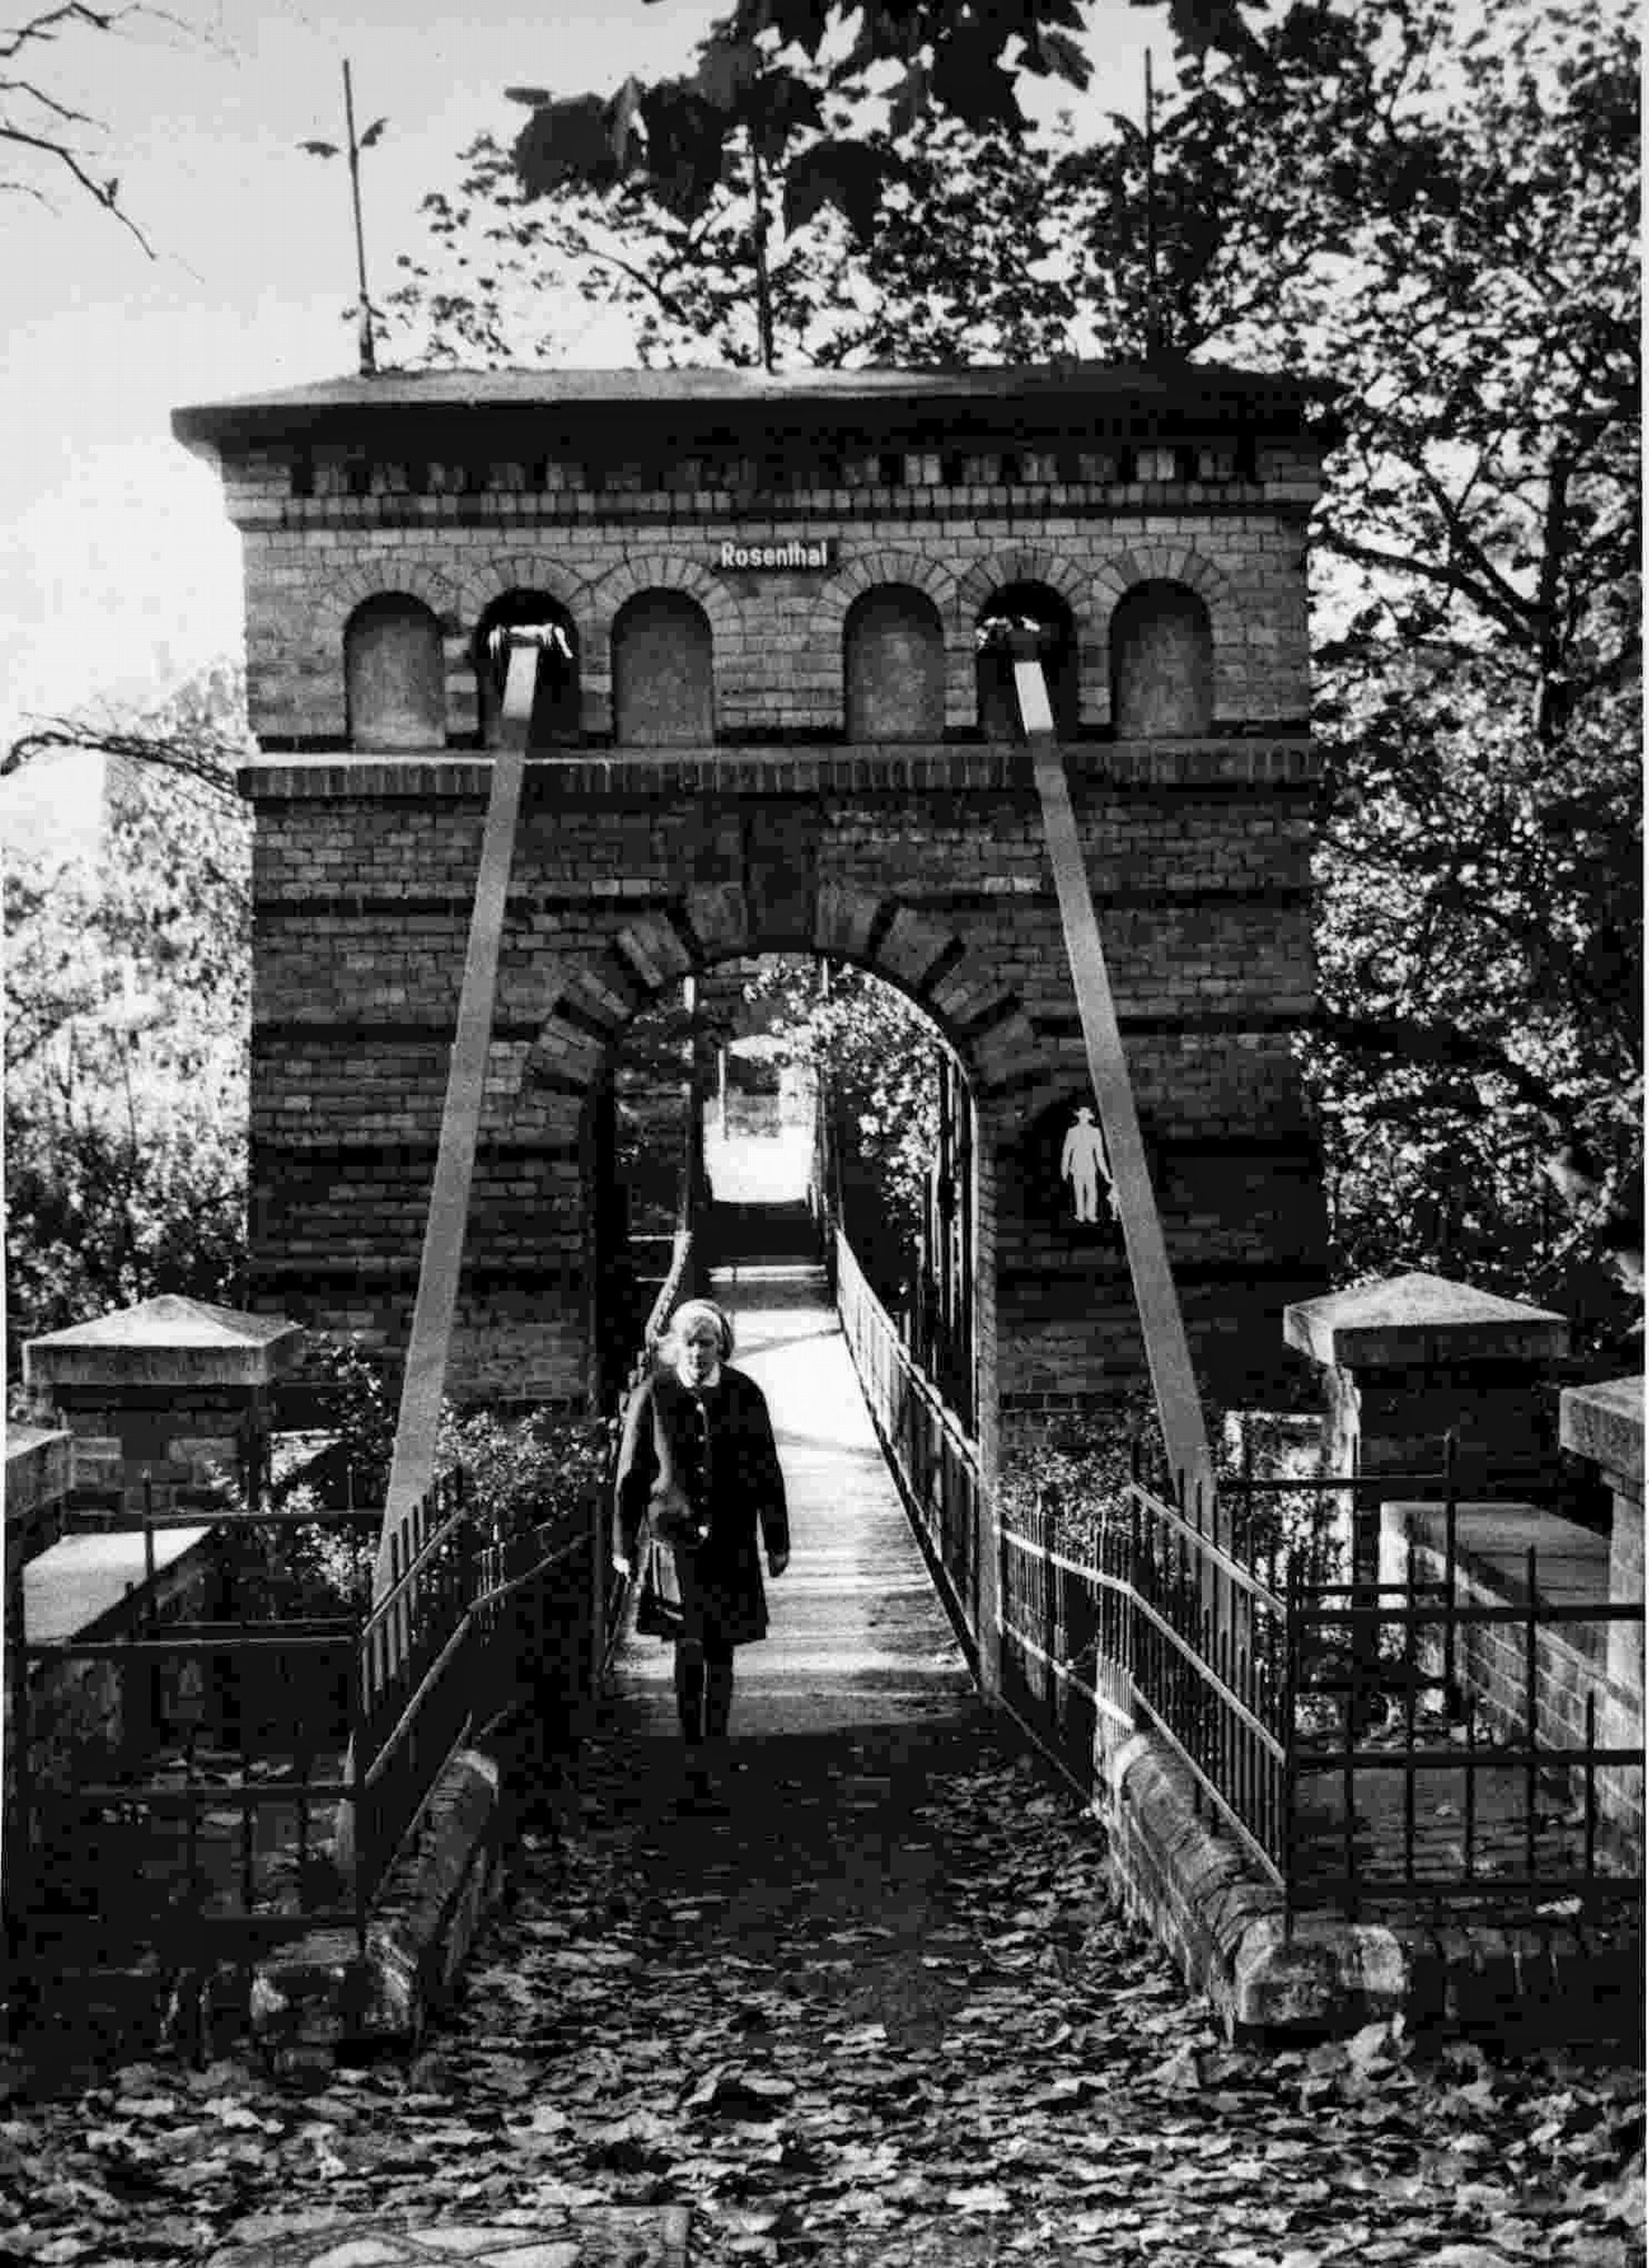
(1046, 1511)
(16, 1849)
(1531, 1713)
(1288, 1855)
(598, 1593)
(360, 1841)
(1450, 1544)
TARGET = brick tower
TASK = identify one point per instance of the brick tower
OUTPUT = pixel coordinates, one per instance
(767, 726)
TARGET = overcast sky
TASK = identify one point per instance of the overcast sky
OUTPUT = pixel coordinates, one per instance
(122, 573)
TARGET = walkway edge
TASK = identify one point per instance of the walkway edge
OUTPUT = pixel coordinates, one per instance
(1222, 1923)
(318, 1995)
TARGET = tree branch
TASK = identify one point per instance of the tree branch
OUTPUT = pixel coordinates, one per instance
(101, 193)
(36, 33)
(210, 762)
(1442, 1045)
(51, 21)
(1445, 577)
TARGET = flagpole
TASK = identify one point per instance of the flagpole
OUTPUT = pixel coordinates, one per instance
(368, 354)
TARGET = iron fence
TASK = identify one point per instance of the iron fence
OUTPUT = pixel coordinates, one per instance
(234, 1785)
(936, 1462)
(1159, 1626)
(1375, 1746)
(1376, 1739)
(1462, 1744)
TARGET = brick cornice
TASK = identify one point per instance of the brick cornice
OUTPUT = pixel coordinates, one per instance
(526, 516)
(1216, 764)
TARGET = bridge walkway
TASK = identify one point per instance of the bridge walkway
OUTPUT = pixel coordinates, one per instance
(858, 1635)
(879, 2013)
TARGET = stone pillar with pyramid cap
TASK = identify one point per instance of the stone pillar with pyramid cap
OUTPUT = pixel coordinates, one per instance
(1408, 1360)
(169, 1396)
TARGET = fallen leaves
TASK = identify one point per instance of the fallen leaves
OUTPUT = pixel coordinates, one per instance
(834, 2056)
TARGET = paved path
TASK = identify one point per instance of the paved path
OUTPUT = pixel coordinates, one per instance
(859, 1638)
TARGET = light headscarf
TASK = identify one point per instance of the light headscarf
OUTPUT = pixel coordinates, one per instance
(693, 1315)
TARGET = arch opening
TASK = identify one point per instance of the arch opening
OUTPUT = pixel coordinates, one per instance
(663, 672)
(394, 678)
(1162, 663)
(763, 1097)
(556, 720)
(1030, 606)
(893, 659)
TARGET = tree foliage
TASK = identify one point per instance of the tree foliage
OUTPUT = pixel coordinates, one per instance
(876, 1059)
(966, 263)
(127, 1004)
(1435, 213)
(1460, 200)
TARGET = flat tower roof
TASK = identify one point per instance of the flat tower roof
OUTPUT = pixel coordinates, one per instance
(1073, 395)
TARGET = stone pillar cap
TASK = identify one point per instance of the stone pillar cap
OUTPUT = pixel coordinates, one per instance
(168, 1341)
(1420, 1319)
(1605, 1423)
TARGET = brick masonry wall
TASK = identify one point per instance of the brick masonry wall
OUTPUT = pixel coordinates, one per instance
(311, 561)
(175, 1448)
(924, 864)
(1571, 1666)
(663, 672)
(922, 860)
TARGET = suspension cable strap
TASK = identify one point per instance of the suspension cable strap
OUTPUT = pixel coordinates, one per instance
(1167, 1350)
(423, 1382)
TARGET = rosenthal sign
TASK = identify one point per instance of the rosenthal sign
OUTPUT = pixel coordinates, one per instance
(791, 555)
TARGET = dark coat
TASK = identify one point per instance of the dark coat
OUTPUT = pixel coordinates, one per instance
(717, 1449)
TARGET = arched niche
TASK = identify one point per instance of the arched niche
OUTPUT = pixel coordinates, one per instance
(1036, 605)
(893, 660)
(395, 685)
(554, 721)
(1162, 663)
(663, 672)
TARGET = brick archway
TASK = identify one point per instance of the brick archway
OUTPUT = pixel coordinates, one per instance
(1040, 564)
(339, 596)
(587, 1000)
(768, 830)
(332, 601)
(1031, 563)
(660, 570)
(491, 579)
(1172, 562)
(523, 570)
(873, 571)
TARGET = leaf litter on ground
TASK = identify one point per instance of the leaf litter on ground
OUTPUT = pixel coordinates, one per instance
(996, 2067)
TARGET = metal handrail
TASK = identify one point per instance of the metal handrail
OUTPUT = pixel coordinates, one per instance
(1202, 1542)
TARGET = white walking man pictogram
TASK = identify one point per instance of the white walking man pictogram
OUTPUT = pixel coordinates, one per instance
(1084, 1163)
